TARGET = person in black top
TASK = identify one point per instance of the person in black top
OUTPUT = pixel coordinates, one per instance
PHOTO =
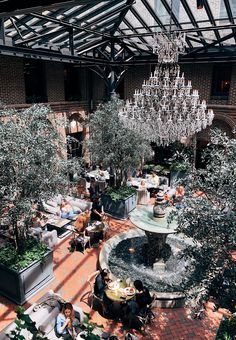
(96, 213)
(137, 306)
(142, 297)
(101, 280)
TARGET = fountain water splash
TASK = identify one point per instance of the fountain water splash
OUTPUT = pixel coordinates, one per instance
(132, 265)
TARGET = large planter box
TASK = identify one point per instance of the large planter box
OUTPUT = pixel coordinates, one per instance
(20, 286)
(119, 209)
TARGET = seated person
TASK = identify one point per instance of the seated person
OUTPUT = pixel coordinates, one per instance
(178, 197)
(155, 180)
(142, 297)
(142, 193)
(66, 209)
(139, 173)
(97, 209)
(101, 281)
(137, 306)
(37, 225)
(94, 188)
(67, 326)
(142, 184)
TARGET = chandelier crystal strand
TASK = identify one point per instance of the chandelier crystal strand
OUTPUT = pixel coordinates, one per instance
(166, 108)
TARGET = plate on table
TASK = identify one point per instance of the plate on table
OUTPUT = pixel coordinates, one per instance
(113, 285)
(129, 291)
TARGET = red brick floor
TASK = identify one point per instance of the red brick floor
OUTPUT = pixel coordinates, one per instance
(71, 271)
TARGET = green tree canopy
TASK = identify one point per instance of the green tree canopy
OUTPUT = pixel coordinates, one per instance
(210, 220)
(32, 168)
(112, 144)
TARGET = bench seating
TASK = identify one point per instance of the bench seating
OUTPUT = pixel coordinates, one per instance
(43, 313)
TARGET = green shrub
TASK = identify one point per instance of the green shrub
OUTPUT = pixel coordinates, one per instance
(227, 330)
(34, 251)
(120, 193)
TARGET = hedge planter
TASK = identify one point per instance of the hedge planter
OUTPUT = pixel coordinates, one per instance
(121, 208)
(22, 285)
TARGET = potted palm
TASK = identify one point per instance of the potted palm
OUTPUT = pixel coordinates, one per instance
(31, 170)
(118, 148)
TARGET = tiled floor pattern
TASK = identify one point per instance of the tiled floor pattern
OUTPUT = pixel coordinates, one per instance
(71, 271)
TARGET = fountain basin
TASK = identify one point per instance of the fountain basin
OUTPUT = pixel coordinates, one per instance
(165, 299)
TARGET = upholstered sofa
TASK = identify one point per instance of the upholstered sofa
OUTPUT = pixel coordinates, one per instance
(43, 313)
(53, 206)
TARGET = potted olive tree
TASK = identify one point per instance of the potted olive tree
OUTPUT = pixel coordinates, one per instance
(118, 148)
(32, 169)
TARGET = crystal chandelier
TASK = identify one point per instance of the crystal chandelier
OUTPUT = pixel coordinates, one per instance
(166, 109)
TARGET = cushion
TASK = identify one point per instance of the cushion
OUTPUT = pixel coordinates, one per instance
(50, 209)
(52, 203)
(41, 314)
(58, 199)
(82, 204)
(76, 209)
(49, 323)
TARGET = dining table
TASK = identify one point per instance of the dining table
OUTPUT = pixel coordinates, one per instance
(119, 291)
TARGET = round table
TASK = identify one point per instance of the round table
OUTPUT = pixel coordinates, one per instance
(118, 294)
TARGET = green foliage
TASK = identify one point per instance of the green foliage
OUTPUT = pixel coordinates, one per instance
(180, 161)
(227, 330)
(210, 220)
(158, 168)
(120, 193)
(89, 328)
(148, 167)
(24, 322)
(34, 251)
(32, 167)
(112, 144)
(179, 166)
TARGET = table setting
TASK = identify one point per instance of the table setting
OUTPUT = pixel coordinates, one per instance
(118, 291)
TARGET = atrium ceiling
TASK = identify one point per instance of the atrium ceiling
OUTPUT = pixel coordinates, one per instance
(115, 32)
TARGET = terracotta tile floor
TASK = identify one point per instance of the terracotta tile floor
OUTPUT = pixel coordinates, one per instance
(71, 271)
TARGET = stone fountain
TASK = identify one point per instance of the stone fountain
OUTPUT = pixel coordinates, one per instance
(138, 254)
(154, 221)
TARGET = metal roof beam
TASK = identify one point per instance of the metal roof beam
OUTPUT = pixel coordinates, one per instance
(174, 19)
(212, 20)
(47, 55)
(66, 24)
(153, 14)
(13, 7)
(122, 15)
(197, 50)
(91, 24)
(140, 38)
(190, 14)
(230, 15)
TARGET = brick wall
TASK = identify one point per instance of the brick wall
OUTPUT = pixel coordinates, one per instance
(134, 79)
(99, 89)
(12, 86)
(55, 81)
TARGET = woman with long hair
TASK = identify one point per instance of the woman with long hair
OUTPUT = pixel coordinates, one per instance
(67, 326)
